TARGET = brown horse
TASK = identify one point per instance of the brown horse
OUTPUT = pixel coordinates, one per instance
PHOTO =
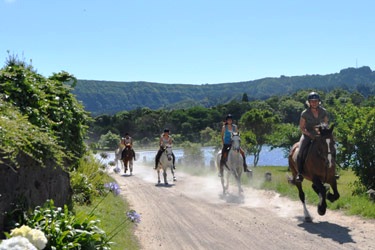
(127, 158)
(319, 167)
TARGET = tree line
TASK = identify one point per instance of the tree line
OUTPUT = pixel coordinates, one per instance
(108, 97)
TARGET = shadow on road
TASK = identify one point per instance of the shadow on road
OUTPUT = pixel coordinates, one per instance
(164, 185)
(126, 175)
(328, 230)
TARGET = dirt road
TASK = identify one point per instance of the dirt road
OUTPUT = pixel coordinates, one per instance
(191, 214)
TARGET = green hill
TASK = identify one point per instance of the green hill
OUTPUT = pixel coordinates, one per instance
(107, 97)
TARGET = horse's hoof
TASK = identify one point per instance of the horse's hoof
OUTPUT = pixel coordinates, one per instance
(174, 179)
(166, 184)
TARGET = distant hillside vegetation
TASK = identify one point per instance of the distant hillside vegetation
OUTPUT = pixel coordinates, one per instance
(106, 97)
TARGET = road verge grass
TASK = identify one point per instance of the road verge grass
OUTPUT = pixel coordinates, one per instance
(112, 212)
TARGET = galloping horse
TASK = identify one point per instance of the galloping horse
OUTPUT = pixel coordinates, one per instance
(127, 158)
(233, 165)
(165, 162)
(319, 167)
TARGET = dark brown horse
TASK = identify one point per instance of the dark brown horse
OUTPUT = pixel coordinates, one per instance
(319, 167)
(127, 158)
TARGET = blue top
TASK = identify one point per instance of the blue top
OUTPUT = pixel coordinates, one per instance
(228, 133)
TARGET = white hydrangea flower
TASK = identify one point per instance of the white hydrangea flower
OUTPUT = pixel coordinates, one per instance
(20, 231)
(17, 243)
(37, 238)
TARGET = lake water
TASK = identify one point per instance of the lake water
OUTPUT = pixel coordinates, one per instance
(267, 156)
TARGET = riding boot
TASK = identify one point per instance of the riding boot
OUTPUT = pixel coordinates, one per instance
(299, 177)
(245, 169)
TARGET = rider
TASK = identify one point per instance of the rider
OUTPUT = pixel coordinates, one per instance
(310, 117)
(226, 132)
(127, 140)
(165, 139)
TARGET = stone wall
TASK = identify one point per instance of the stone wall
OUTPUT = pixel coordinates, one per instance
(31, 185)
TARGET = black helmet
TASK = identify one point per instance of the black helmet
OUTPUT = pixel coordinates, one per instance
(313, 96)
(166, 130)
(229, 116)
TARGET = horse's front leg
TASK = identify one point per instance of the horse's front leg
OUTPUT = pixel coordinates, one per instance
(125, 166)
(321, 190)
(335, 196)
(172, 171)
(301, 195)
(227, 181)
(223, 184)
(165, 176)
(158, 175)
(131, 166)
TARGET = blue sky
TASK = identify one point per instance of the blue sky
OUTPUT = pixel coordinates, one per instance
(188, 41)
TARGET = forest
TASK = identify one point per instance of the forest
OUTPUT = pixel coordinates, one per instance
(106, 97)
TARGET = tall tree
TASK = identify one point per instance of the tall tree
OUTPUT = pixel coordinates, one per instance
(260, 123)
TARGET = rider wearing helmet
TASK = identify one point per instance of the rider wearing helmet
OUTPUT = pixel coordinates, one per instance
(312, 116)
(165, 139)
(226, 132)
(127, 140)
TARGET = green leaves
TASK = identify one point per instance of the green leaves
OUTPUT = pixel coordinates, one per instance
(45, 105)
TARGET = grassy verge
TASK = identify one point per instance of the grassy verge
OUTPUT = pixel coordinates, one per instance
(112, 213)
(349, 204)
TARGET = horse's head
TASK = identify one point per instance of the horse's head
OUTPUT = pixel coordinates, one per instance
(326, 144)
(236, 140)
(168, 152)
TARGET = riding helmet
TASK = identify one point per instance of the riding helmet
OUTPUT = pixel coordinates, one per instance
(166, 130)
(313, 96)
(229, 116)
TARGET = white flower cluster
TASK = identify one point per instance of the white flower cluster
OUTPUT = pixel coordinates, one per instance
(25, 238)
(17, 243)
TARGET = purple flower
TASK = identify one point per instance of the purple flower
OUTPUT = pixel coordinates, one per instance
(113, 187)
(133, 216)
(116, 170)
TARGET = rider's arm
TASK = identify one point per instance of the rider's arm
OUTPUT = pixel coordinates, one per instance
(302, 126)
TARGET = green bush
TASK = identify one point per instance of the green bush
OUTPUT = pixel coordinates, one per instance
(64, 230)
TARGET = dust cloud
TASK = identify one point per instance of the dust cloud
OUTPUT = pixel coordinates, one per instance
(208, 189)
